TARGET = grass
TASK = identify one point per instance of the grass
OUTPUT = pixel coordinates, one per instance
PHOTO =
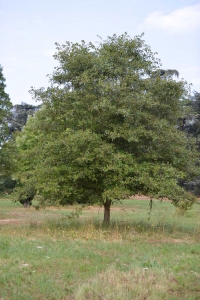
(44, 255)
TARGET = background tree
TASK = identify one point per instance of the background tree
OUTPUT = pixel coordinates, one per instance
(19, 115)
(190, 123)
(12, 118)
(14, 121)
(5, 107)
(107, 128)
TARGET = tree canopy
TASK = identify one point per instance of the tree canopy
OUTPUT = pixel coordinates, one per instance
(15, 120)
(5, 107)
(19, 115)
(107, 128)
(190, 123)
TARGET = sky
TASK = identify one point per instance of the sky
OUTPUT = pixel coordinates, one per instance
(30, 28)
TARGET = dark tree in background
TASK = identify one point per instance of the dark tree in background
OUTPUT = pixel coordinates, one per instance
(5, 107)
(191, 125)
(5, 161)
(12, 119)
(16, 120)
(19, 116)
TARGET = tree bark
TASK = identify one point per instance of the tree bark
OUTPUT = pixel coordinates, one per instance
(107, 205)
(26, 203)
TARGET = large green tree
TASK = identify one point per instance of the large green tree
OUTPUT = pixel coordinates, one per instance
(107, 128)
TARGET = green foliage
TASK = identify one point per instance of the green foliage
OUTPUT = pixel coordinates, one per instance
(7, 184)
(5, 158)
(190, 123)
(5, 106)
(107, 128)
(26, 194)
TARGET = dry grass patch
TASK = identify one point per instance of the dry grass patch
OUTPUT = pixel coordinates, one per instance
(138, 284)
(46, 255)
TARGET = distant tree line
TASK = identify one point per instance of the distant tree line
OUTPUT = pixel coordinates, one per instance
(12, 119)
(191, 125)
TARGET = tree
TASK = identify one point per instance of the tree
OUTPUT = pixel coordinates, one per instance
(14, 121)
(26, 195)
(107, 128)
(165, 73)
(5, 107)
(190, 123)
(19, 115)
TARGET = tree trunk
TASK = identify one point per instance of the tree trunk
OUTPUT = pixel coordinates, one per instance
(27, 203)
(107, 205)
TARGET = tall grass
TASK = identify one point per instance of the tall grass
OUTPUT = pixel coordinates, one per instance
(46, 255)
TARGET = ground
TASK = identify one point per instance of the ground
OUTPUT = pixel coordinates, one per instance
(46, 254)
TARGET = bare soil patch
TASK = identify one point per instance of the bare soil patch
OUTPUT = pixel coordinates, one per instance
(139, 197)
(164, 239)
(12, 221)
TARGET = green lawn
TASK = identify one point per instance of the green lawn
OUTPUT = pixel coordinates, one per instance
(44, 255)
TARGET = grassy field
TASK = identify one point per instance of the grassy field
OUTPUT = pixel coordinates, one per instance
(45, 255)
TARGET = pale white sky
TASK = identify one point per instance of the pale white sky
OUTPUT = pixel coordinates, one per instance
(30, 28)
